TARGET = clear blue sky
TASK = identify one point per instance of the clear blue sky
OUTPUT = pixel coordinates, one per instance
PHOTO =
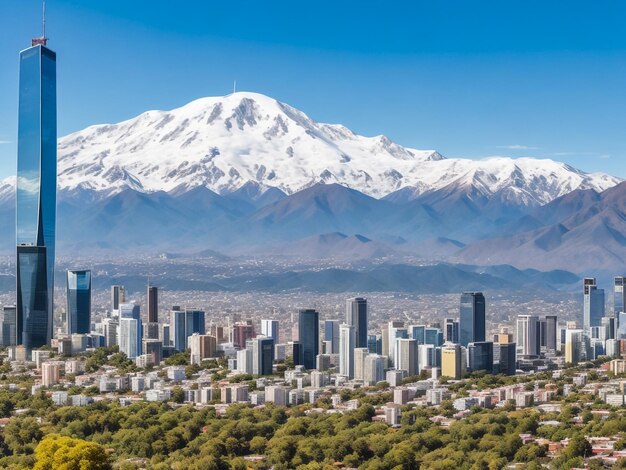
(470, 79)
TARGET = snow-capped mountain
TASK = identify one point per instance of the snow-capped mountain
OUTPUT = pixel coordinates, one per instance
(225, 143)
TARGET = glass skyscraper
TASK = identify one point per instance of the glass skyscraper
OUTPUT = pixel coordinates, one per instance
(309, 335)
(36, 195)
(593, 303)
(78, 301)
(472, 318)
(356, 315)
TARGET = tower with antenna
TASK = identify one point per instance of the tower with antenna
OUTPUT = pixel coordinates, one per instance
(43, 40)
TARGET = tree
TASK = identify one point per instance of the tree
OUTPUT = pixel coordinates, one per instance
(64, 453)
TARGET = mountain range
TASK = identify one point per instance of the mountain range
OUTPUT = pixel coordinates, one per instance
(246, 174)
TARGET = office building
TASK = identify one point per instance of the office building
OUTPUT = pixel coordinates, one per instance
(347, 342)
(480, 356)
(452, 361)
(373, 369)
(593, 305)
(356, 315)
(185, 323)
(550, 332)
(472, 328)
(507, 364)
(528, 336)
(433, 336)
(451, 328)
(395, 329)
(36, 195)
(418, 333)
(244, 361)
(78, 301)
(130, 337)
(262, 355)
(331, 335)
(242, 332)
(426, 357)
(269, 329)
(406, 356)
(153, 304)
(118, 296)
(619, 295)
(202, 347)
(375, 344)
(9, 326)
(574, 346)
(359, 363)
(309, 336)
(130, 310)
(110, 330)
(608, 325)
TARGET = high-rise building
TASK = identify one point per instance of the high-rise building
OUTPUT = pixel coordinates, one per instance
(551, 332)
(242, 332)
(451, 327)
(508, 358)
(395, 329)
(373, 369)
(574, 346)
(528, 335)
(347, 342)
(356, 315)
(331, 334)
(118, 296)
(426, 356)
(269, 329)
(472, 327)
(262, 355)
(309, 336)
(154, 349)
(153, 304)
(185, 323)
(374, 344)
(619, 295)
(202, 347)
(406, 356)
(51, 373)
(452, 356)
(130, 337)
(36, 195)
(109, 330)
(9, 326)
(593, 299)
(609, 327)
(418, 333)
(359, 363)
(433, 336)
(78, 301)
(480, 356)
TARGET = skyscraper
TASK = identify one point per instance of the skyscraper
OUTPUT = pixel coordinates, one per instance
(593, 299)
(36, 194)
(269, 328)
(118, 296)
(551, 327)
(78, 301)
(331, 333)
(406, 356)
(8, 326)
(452, 361)
(480, 356)
(130, 337)
(528, 335)
(153, 304)
(262, 355)
(347, 342)
(184, 324)
(356, 315)
(309, 336)
(451, 327)
(619, 295)
(472, 318)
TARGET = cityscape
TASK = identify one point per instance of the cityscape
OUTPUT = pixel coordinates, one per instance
(316, 352)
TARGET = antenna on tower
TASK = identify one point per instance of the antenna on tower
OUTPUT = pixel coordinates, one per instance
(43, 40)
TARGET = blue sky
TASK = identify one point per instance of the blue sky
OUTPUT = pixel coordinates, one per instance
(470, 79)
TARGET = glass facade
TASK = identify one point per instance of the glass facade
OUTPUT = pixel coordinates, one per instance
(78, 301)
(309, 335)
(36, 196)
(472, 318)
(356, 315)
(185, 323)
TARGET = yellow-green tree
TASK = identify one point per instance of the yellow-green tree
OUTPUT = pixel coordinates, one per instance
(56, 452)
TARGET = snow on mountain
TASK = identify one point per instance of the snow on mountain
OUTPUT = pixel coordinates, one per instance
(224, 143)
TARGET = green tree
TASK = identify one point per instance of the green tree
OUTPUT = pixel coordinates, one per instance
(56, 452)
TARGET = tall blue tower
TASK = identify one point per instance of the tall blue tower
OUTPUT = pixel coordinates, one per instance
(36, 194)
